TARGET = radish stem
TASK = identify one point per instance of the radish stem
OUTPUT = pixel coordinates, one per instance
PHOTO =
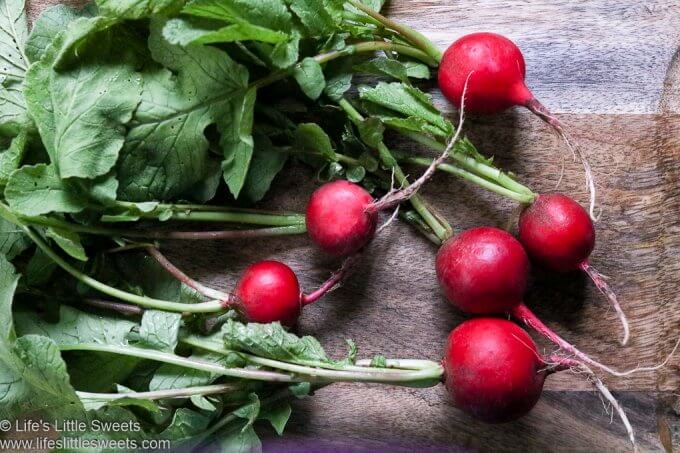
(440, 228)
(142, 301)
(414, 37)
(162, 394)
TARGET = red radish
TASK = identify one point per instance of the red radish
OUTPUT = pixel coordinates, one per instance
(485, 271)
(339, 219)
(497, 83)
(558, 234)
(494, 372)
(268, 291)
(493, 369)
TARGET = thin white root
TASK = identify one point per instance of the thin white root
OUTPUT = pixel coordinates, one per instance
(606, 290)
(393, 197)
(559, 363)
(542, 112)
(607, 395)
(389, 221)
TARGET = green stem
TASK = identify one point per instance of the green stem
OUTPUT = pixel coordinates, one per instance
(142, 301)
(162, 394)
(417, 371)
(414, 37)
(478, 180)
(166, 357)
(362, 47)
(440, 227)
(473, 165)
(199, 213)
(160, 234)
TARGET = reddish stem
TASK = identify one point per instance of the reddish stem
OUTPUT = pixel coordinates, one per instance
(524, 314)
(604, 288)
(227, 299)
(335, 279)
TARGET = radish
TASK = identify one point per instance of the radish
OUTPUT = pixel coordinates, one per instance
(558, 234)
(497, 83)
(340, 219)
(268, 291)
(485, 271)
(494, 372)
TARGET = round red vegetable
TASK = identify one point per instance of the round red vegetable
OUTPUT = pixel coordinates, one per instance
(493, 370)
(339, 219)
(269, 291)
(557, 232)
(483, 271)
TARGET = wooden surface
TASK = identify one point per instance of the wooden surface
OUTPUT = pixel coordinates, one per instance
(610, 69)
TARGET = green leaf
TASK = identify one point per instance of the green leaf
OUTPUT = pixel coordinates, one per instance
(237, 141)
(407, 100)
(166, 152)
(394, 68)
(176, 377)
(267, 162)
(271, 14)
(355, 174)
(186, 31)
(75, 327)
(48, 25)
(13, 65)
(10, 159)
(249, 411)
(272, 341)
(69, 242)
(311, 138)
(320, 17)
(137, 9)
(340, 78)
(278, 415)
(12, 109)
(81, 111)
(36, 190)
(39, 269)
(371, 131)
(185, 425)
(13, 35)
(159, 330)
(301, 389)
(12, 240)
(309, 76)
(33, 375)
(285, 54)
(237, 440)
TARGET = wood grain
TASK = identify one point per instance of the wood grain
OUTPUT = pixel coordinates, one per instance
(611, 69)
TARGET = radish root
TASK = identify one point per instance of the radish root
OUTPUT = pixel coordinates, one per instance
(605, 289)
(395, 197)
(525, 315)
(542, 112)
(560, 363)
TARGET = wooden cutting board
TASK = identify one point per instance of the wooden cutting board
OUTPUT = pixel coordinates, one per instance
(611, 72)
